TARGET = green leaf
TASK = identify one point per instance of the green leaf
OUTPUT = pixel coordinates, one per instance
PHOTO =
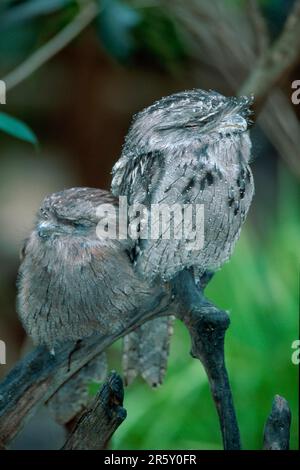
(116, 24)
(17, 128)
(158, 36)
(23, 12)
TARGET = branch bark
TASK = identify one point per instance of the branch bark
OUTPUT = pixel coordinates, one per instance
(207, 326)
(39, 375)
(97, 425)
(277, 427)
(73, 398)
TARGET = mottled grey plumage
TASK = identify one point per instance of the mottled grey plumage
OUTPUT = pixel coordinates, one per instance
(72, 283)
(146, 351)
(188, 148)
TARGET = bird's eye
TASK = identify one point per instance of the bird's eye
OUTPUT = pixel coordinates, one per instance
(192, 124)
(196, 123)
(81, 223)
(77, 224)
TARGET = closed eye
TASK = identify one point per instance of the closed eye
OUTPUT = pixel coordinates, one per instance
(192, 124)
(201, 121)
(82, 223)
(78, 223)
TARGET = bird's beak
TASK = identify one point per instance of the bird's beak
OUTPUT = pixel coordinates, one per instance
(234, 122)
(238, 122)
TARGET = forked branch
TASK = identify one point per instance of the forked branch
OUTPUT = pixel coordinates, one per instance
(101, 420)
(277, 427)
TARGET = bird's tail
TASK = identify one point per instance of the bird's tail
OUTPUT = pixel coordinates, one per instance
(146, 350)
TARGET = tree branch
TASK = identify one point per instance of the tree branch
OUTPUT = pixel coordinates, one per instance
(73, 398)
(277, 427)
(279, 121)
(277, 60)
(97, 425)
(207, 326)
(39, 375)
(259, 25)
(51, 48)
(229, 50)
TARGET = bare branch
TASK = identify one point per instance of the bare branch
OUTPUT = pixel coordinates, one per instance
(207, 326)
(73, 398)
(51, 48)
(39, 375)
(231, 55)
(259, 25)
(277, 427)
(277, 60)
(97, 425)
(279, 121)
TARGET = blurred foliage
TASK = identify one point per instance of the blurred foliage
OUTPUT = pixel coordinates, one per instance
(16, 128)
(22, 12)
(125, 27)
(125, 30)
(128, 32)
(26, 25)
(276, 12)
(162, 42)
(115, 26)
(259, 287)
